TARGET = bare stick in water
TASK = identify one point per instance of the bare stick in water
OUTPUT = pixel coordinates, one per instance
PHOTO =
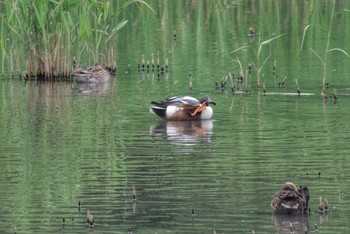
(133, 193)
(298, 88)
(190, 77)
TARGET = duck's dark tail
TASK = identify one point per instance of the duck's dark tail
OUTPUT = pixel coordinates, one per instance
(304, 191)
(158, 110)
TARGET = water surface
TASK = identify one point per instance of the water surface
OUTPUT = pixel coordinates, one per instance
(62, 143)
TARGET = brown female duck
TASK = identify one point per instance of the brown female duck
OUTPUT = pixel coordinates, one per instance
(94, 74)
(290, 200)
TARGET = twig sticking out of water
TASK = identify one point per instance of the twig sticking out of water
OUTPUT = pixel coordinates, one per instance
(190, 79)
(291, 227)
(264, 88)
(251, 32)
(232, 83)
(133, 193)
(79, 206)
(323, 207)
(281, 84)
(143, 63)
(298, 88)
(335, 95)
(246, 83)
(90, 219)
(158, 61)
(316, 228)
(129, 230)
(149, 65)
(166, 65)
(193, 214)
(152, 60)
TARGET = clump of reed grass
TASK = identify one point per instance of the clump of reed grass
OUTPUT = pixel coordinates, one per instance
(48, 34)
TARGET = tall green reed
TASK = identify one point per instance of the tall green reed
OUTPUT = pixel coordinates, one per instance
(324, 58)
(258, 64)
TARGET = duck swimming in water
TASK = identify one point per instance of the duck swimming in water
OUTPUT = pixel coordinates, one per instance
(183, 108)
(94, 74)
(290, 200)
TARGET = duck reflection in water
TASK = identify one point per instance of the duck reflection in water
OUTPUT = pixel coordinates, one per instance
(91, 88)
(284, 223)
(184, 132)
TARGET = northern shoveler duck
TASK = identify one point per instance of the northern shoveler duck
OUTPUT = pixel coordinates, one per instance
(183, 108)
(290, 200)
(94, 74)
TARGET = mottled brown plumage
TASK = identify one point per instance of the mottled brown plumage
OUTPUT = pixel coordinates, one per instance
(94, 74)
(290, 200)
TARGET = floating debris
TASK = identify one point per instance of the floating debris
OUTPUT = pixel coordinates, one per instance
(289, 94)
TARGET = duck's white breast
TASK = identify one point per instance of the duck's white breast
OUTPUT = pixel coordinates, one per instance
(207, 113)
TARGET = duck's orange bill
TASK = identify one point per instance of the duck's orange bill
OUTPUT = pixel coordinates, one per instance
(199, 109)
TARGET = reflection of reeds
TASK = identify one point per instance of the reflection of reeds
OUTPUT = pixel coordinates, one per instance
(48, 34)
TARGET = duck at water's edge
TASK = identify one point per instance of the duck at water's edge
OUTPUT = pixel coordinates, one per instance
(94, 74)
(183, 108)
(290, 200)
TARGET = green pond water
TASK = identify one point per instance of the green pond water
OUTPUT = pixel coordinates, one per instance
(61, 143)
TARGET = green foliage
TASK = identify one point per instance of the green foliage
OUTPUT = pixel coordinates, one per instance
(326, 50)
(257, 53)
(47, 30)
